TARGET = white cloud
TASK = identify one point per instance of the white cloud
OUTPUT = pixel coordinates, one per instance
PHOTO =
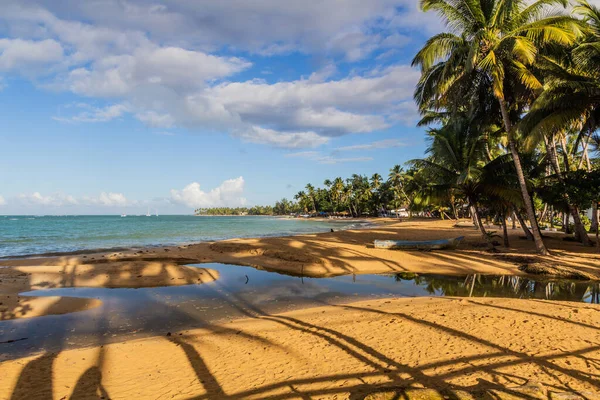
(381, 144)
(320, 158)
(2, 201)
(263, 26)
(155, 62)
(55, 200)
(23, 54)
(228, 194)
(108, 200)
(303, 154)
(156, 120)
(174, 68)
(95, 114)
(286, 140)
(104, 199)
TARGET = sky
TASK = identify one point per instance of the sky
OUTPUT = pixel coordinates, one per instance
(117, 106)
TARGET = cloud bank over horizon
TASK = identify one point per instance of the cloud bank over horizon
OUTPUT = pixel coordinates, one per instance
(229, 193)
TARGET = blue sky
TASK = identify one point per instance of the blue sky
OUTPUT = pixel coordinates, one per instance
(113, 106)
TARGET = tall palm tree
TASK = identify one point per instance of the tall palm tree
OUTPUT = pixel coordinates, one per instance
(329, 184)
(397, 178)
(493, 45)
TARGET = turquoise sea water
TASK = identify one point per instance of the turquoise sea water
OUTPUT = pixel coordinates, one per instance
(25, 235)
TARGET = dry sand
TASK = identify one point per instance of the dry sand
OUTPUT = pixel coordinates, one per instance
(335, 352)
(330, 352)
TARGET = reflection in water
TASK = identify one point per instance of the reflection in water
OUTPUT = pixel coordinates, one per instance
(238, 293)
(505, 286)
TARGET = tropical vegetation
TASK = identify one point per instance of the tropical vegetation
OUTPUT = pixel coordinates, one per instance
(509, 96)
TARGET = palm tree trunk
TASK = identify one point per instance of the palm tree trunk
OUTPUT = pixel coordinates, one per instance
(544, 212)
(594, 227)
(486, 237)
(563, 143)
(580, 232)
(537, 235)
(514, 220)
(474, 216)
(526, 230)
(505, 230)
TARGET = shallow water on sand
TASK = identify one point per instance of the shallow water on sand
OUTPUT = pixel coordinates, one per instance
(25, 235)
(242, 292)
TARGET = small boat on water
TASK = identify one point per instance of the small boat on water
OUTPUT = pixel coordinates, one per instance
(418, 245)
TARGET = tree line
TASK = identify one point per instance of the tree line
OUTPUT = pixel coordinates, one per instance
(511, 96)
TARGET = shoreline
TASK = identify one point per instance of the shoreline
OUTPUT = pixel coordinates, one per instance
(364, 224)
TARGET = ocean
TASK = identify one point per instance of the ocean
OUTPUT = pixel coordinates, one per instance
(46, 235)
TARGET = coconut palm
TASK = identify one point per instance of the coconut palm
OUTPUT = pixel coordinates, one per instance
(310, 190)
(492, 46)
(302, 200)
(570, 101)
(457, 167)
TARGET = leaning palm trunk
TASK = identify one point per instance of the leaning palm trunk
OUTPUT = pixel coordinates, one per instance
(580, 232)
(526, 230)
(537, 235)
(486, 237)
(474, 216)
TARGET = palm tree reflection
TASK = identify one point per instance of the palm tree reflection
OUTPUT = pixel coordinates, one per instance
(478, 285)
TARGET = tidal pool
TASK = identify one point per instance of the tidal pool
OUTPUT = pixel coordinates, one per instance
(242, 292)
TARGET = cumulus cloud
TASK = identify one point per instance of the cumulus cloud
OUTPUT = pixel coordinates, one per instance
(174, 68)
(266, 26)
(2, 201)
(158, 63)
(228, 194)
(23, 54)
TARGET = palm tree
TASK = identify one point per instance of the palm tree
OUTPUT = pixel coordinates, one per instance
(301, 198)
(337, 190)
(457, 167)
(328, 184)
(570, 100)
(310, 189)
(493, 46)
(396, 178)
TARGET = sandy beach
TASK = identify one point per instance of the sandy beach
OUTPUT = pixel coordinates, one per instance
(336, 351)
